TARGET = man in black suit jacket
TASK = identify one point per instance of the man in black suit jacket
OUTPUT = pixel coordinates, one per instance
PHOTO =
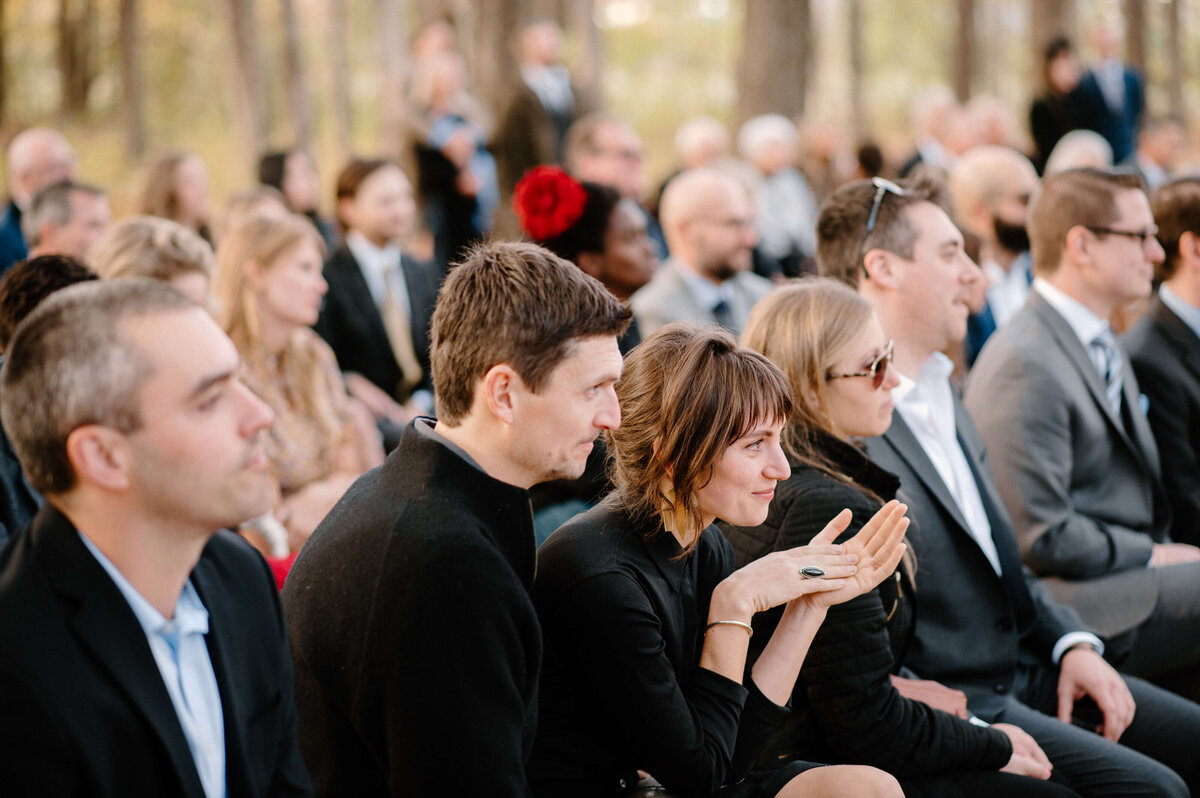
(1164, 350)
(983, 624)
(385, 357)
(1110, 98)
(417, 647)
(141, 653)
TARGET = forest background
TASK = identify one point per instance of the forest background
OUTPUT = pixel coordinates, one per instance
(127, 80)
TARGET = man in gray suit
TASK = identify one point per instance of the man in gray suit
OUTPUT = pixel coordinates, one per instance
(1075, 459)
(984, 624)
(708, 219)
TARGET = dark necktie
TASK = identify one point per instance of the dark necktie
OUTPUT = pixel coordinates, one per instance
(722, 313)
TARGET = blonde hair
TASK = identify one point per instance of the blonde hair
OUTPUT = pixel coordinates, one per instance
(147, 246)
(263, 240)
(686, 394)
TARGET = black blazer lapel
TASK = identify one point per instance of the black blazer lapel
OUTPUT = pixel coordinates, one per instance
(1177, 333)
(906, 445)
(107, 627)
(344, 269)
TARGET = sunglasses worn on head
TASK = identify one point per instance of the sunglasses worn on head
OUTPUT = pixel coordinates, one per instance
(882, 188)
(877, 371)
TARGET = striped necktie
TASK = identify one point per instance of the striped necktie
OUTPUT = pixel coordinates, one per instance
(1111, 367)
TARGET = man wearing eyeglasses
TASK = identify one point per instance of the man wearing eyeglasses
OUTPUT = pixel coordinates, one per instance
(1074, 455)
(985, 625)
(708, 218)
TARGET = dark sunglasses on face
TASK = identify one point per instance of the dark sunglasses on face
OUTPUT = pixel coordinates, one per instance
(877, 370)
(882, 188)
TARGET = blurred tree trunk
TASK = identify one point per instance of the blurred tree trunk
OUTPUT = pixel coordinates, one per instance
(131, 80)
(494, 67)
(1135, 33)
(428, 10)
(339, 70)
(854, 28)
(393, 46)
(249, 95)
(964, 51)
(1047, 19)
(1174, 59)
(776, 58)
(76, 41)
(589, 67)
(3, 69)
(293, 66)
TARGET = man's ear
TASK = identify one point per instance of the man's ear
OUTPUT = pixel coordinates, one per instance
(1189, 249)
(882, 267)
(500, 389)
(1079, 244)
(100, 456)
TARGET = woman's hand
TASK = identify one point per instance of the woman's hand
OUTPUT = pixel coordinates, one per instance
(879, 545)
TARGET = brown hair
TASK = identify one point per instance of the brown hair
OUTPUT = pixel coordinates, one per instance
(160, 196)
(1076, 197)
(686, 394)
(147, 246)
(512, 303)
(69, 365)
(27, 284)
(350, 180)
(1176, 208)
(843, 221)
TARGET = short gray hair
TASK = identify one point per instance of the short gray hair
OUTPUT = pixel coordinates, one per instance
(52, 204)
(69, 365)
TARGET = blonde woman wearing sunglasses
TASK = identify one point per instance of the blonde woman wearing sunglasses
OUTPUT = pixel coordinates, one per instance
(845, 708)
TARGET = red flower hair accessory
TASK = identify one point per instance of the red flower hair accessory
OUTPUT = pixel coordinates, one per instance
(548, 202)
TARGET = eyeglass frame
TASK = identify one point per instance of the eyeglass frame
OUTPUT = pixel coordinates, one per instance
(882, 187)
(1143, 236)
(877, 370)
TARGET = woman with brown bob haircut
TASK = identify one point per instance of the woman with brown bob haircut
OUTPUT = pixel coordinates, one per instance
(825, 337)
(646, 622)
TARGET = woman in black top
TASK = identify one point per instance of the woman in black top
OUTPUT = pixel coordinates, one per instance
(1054, 112)
(826, 339)
(645, 621)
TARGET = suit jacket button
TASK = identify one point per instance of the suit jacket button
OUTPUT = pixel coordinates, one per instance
(1001, 688)
(622, 784)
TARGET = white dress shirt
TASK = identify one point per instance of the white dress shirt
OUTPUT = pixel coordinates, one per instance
(1007, 288)
(1083, 322)
(381, 269)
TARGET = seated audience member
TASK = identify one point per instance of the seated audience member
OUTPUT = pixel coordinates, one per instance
(1160, 143)
(787, 209)
(1079, 149)
(991, 188)
(985, 625)
(456, 175)
(65, 219)
(269, 288)
(177, 189)
(35, 157)
(604, 235)
(932, 116)
(22, 289)
(412, 629)
(828, 342)
(1164, 351)
(293, 174)
(1075, 460)
(143, 651)
(708, 218)
(251, 203)
(699, 141)
(647, 623)
(146, 246)
(376, 314)
(1052, 114)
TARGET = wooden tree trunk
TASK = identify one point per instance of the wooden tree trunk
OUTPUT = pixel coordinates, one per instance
(1135, 34)
(293, 67)
(393, 56)
(428, 10)
(339, 68)
(247, 76)
(1174, 59)
(1047, 19)
(131, 80)
(589, 69)
(76, 24)
(494, 68)
(776, 58)
(854, 29)
(964, 51)
(3, 69)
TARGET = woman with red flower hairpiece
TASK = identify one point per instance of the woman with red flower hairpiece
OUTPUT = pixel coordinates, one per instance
(591, 226)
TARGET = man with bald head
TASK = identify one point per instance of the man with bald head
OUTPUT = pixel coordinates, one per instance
(708, 219)
(36, 157)
(991, 187)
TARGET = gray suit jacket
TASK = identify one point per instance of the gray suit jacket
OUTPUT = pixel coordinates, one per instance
(667, 298)
(1080, 482)
(971, 625)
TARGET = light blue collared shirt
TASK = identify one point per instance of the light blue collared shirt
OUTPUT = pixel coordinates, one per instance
(1083, 322)
(707, 293)
(1188, 313)
(182, 657)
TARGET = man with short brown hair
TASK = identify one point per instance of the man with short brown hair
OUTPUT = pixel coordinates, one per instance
(417, 648)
